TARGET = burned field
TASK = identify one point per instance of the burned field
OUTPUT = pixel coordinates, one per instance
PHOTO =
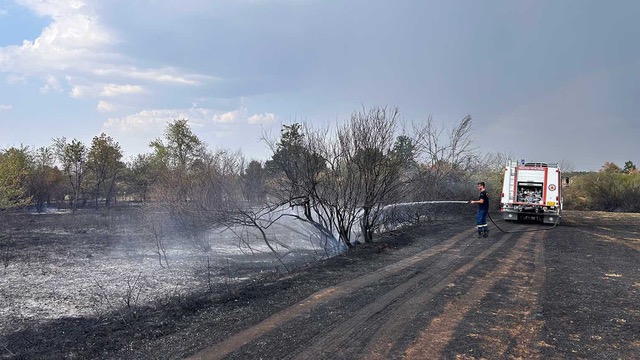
(91, 285)
(92, 270)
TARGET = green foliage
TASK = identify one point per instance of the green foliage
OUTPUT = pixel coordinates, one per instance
(610, 189)
(181, 149)
(629, 168)
(73, 157)
(404, 150)
(141, 174)
(14, 169)
(45, 181)
(104, 163)
(294, 166)
(254, 182)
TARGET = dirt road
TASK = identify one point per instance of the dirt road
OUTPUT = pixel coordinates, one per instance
(431, 292)
(568, 292)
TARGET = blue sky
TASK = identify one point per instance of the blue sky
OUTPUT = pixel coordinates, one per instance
(543, 80)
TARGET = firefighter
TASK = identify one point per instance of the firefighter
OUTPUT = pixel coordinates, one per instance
(483, 208)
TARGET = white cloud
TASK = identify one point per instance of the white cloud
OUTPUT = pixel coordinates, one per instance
(15, 79)
(266, 118)
(5, 107)
(116, 90)
(135, 131)
(241, 115)
(151, 120)
(51, 85)
(80, 92)
(3, 12)
(82, 88)
(104, 106)
(77, 44)
(73, 38)
(231, 116)
(163, 75)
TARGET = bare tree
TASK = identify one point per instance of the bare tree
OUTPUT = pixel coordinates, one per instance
(367, 143)
(445, 162)
(344, 180)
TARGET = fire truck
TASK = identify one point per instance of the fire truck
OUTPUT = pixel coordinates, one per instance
(531, 191)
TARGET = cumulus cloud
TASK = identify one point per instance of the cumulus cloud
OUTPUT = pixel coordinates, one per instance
(74, 37)
(5, 107)
(80, 91)
(230, 116)
(15, 79)
(266, 118)
(78, 44)
(104, 106)
(241, 116)
(116, 90)
(151, 120)
(51, 85)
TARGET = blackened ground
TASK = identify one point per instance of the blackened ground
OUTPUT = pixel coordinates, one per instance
(431, 292)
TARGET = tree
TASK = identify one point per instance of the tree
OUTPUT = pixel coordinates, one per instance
(142, 173)
(629, 168)
(404, 150)
(367, 144)
(182, 148)
(295, 167)
(181, 155)
(14, 169)
(445, 162)
(73, 157)
(45, 181)
(103, 161)
(254, 182)
(611, 168)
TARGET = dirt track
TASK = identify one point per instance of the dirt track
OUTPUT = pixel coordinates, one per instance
(431, 292)
(569, 292)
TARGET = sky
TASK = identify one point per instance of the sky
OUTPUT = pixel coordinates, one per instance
(555, 81)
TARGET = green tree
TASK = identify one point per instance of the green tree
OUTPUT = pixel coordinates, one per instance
(46, 182)
(254, 182)
(73, 157)
(295, 168)
(404, 150)
(181, 149)
(104, 162)
(629, 168)
(142, 173)
(14, 169)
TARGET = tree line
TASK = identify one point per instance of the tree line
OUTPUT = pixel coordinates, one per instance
(340, 179)
(612, 188)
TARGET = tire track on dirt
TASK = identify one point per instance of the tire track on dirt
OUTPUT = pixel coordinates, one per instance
(323, 296)
(395, 307)
(432, 341)
(632, 243)
(529, 330)
(382, 342)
